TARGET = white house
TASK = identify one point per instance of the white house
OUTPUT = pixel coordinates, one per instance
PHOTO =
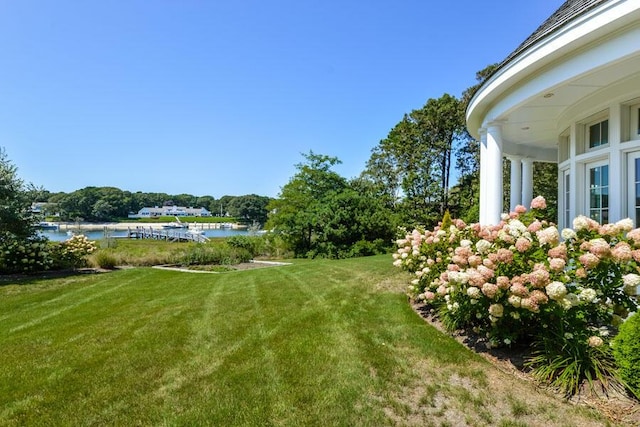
(170, 211)
(570, 94)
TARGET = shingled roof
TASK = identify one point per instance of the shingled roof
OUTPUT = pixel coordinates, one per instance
(570, 10)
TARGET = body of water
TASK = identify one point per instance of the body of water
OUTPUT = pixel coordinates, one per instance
(59, 236)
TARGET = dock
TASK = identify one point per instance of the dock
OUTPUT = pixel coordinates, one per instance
(177, 235)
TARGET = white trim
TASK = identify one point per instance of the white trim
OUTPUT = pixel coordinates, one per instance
(587, 169)
(630, 207)
(530, 73)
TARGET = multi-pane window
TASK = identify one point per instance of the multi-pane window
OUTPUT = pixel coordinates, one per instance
(599, 193)
(599, 134)
(567, 201)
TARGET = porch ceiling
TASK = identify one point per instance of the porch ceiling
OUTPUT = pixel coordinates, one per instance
(542, 117)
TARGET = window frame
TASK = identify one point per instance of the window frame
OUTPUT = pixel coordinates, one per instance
(589, 187)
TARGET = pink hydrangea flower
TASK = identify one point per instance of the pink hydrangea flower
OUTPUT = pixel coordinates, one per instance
(557, 264)
(600, 248)
(539, 203)
(523, 244)
(503, 282)
(634, 235)
(589, 260)
(559, 251)
(534, 226)
(504, 256)
(519, 290)
(539, 297)
(520, 209)
(530, 304)
(621, 252)
(475, 260)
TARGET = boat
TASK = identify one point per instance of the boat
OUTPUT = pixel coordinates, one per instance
(195, 230)
(45, 225)
(177, 224)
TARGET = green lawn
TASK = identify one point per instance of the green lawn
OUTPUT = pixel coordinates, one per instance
(326, 343)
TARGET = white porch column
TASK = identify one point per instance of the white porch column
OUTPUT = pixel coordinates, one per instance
(491, 175)
(527, 182)
(516, 182)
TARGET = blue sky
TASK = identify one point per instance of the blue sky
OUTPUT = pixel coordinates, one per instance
(214, 98)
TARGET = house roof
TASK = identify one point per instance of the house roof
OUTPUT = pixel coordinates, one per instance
(570, 10)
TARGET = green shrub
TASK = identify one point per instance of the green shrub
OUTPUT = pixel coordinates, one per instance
(251, 244)
(105, 260)
(626, 349)
(24, 256)
(212, 255)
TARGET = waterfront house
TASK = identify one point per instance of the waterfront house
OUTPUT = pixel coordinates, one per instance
(569, 94)
(170, 211)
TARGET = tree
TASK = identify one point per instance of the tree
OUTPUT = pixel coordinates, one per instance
(21, 249)
(415, 160)
(321, 214)
(250, 208)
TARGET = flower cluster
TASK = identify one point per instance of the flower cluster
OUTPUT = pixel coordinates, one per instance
(523, 278)
(73, 252)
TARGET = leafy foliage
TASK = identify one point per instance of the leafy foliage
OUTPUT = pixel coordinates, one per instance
(415, 160)
(321, 214)
(626, 349)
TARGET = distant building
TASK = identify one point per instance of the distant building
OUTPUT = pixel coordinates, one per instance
(570, 94)
(169, 211)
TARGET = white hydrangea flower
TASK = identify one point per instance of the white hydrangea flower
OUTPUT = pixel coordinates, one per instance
(625, 225)
(483, 246)
(588, 295)
(474, 292)
(568, 234)
(556, 290)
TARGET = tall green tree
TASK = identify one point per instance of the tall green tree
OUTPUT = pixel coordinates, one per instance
(320, 214)
(250, 208)
(17, 221)
(415, 160)
(21, 249)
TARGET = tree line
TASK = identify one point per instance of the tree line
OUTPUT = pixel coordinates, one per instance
(112, 204)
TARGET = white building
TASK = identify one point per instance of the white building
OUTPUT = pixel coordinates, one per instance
(569, 94)
(170, 211)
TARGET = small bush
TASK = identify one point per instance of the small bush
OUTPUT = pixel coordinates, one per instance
(72, 253)
(105, 260)
(251, 244)
(626, 349)
(212, 255)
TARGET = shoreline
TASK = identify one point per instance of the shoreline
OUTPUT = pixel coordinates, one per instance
(123, 226)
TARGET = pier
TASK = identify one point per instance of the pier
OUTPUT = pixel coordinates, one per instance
(177, 235)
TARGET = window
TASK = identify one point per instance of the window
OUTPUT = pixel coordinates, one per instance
(567, 200)
(599, 193)
(599, 134)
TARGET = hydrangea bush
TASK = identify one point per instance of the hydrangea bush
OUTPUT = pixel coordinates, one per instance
(523, 280)
(73, 252)
(24, 256)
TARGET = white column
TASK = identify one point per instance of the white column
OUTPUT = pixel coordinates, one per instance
(491, 176)
(617, 178)
(527, 182)
(516, 182)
